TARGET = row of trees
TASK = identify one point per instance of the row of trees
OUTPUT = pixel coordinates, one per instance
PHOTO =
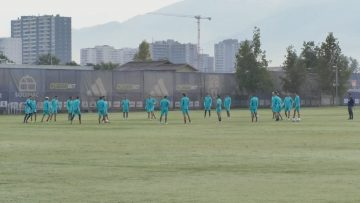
(325, 61)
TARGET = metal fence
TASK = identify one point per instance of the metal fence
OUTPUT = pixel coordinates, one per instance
(17, 84)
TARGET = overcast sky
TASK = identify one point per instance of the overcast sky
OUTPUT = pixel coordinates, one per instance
(84, 13)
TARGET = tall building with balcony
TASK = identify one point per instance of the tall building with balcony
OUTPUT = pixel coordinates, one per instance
(225, 55)
(43, 35)
(12, 49)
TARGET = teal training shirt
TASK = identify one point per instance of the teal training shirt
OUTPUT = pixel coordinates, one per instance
(125, 105)
(185, 101)
(297, 101)
(218, 105)
(288, 102)
(164, 104)
(227, 103)
(207, 102)
(254, 103)
(46, 106)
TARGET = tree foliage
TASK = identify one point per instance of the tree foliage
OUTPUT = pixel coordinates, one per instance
(47, 59)
(330, 61)
(295, 71)
(106, 66)
(144, 52)
(72, 63)
(4, 59)
(251, 66)
(325, 60)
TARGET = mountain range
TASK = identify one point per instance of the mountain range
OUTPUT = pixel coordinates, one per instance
(282, 23)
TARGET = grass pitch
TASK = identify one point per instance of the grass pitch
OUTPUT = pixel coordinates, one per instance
(315, 160)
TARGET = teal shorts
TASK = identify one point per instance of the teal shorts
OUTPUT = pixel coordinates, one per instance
(76, 113)
(164, 112)
(185, 111)
(46, 113)
(297, 108)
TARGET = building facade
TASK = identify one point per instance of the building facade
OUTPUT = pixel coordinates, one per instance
(225, 55)
(12, 49)
(106, 54)
(206, 63)
(43, 35)
(174, 52)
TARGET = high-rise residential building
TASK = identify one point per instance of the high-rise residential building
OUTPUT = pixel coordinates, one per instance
(12, 49)
(225, 55)
(124, 55)
(43, 35)
(106, 54)
(206, 63)
(175, 52)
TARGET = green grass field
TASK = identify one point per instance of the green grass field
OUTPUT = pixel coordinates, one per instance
(315, 160)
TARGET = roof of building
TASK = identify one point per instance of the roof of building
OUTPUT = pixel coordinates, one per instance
(47, 67)
(276, 68)
(156, 66)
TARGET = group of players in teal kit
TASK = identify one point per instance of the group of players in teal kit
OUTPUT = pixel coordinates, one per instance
(277, 105)
(50, 108)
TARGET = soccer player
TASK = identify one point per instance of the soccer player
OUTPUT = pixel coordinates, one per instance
(227, 105)
(27, 109)
(106, 111)
(100, 106)
(54, 108)
(125, 104)
(351, 104)
(46, 109)
(254, 104)
(288, 104)
(34, 109)
(76, 110)
(281, 105)
(272, 104)
(277, 106)
(218, 107)
(164, 107)
(297, 107)
(68, 107)
(207, 105)
(152, 108)
(184, 105)
(148, 106)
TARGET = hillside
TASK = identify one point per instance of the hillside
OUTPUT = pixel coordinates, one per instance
(283, 22)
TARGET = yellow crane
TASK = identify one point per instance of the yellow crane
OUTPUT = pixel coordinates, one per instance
(198, 20)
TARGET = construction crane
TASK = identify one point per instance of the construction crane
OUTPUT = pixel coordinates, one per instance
(198, 20)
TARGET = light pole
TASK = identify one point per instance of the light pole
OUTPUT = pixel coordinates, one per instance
(336, 85)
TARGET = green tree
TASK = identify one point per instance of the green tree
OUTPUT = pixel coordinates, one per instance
(251, 66)
(72, 63)
(295, 71)
(309, 56)
(47, 59)
(332, 62)
(106, 66)
(354, 65)
(4, 59)
(144, 52)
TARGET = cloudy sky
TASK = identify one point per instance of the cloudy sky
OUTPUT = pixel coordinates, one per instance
(84, 13)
